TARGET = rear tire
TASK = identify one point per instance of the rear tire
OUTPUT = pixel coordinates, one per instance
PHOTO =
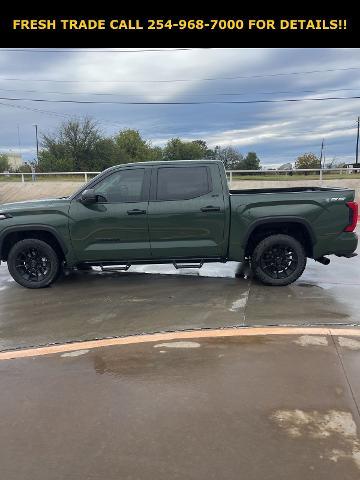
(33, 263)
(278, 260)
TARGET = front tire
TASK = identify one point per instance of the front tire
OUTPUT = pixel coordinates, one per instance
(33, 263)
(278, 260)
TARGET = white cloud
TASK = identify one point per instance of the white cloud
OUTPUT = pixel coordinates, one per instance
(276, 130)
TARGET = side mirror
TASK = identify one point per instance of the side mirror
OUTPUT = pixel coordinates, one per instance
(88, 196)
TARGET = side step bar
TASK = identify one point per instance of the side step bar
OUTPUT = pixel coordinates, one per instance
(115, 268)
(188, 265)
(112, 267)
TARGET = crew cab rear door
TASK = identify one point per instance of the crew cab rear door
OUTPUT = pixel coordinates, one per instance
(187, 212)
(116, 226)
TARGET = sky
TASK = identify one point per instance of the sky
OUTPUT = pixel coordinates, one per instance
(277, 131)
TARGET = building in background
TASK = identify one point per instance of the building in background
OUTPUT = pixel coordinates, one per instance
(15, 160)
(354, 167)
(286, 166)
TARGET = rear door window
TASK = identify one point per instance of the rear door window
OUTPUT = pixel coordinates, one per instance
(182, 183)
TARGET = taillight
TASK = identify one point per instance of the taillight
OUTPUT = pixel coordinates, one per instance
(353, 216)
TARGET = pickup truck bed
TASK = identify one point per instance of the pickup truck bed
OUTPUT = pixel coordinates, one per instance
(179, 212)
(248, 191)
(318, 214)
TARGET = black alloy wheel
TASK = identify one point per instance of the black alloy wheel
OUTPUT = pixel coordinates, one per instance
(33, 263)
(278, 260)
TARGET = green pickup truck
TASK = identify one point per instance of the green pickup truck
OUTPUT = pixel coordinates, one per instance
(176, 212)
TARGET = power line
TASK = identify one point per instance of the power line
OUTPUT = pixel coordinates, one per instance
(183, 95)
(103, 121)
(36, 110)
(65, 115)
(118, 124)
(142, 50)
(293, 133)
(239, 77)
(212, 102)
(54, 114)
(49, 112)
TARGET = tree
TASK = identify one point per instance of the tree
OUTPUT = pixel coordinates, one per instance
(234, 160)
(131, 147)
(333, 163)
(55, 158)
(308, 160)
(251, 162)
(78, 145)
(72, 147)
(105, 155)
(4, 162)
(206, 152)
(231, 158)
(177, 149)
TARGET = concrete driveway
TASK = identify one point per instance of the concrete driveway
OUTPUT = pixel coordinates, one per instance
(89, 305)
(274, 407)
(252, 403)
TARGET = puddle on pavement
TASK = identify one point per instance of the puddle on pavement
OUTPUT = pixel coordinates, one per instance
(75, 353)
(334, 431)
(178, 345)
(349, 343)
(312, 340)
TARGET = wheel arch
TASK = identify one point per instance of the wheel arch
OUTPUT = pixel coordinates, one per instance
(46, 233)
(298, 228)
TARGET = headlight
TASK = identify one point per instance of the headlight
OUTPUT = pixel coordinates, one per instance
(4, 215)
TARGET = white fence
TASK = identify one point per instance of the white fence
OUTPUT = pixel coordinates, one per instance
(315, 171)
(231, 174)
(22, 176)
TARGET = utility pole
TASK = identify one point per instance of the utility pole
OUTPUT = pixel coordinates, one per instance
(321, 156)
(19, 142)
(357, 142)
(321, 153)
(37, 143)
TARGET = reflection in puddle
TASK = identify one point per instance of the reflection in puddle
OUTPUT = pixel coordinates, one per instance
(178, 345)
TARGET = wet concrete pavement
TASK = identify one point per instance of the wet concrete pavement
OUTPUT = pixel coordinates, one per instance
(255, 407)
(252, 406)
(89, 305)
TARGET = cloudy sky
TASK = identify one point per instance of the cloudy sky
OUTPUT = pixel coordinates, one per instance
(278, 131)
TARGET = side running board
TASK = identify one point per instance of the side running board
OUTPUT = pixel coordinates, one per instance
(188, 265)
(115, 268)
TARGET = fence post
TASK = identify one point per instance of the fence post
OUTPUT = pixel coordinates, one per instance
(86, 177)
(230, 179)
(22, 178)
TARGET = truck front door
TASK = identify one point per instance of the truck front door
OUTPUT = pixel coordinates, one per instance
(187, 212)
(116, 226)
